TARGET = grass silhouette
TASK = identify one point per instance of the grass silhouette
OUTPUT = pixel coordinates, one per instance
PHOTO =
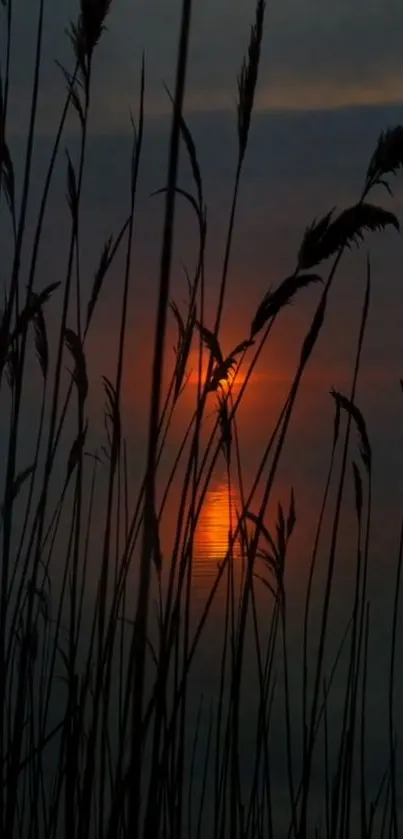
(96, 701)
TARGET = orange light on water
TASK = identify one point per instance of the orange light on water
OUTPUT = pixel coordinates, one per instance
(217, 519)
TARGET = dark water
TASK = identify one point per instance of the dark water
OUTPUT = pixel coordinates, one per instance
(218, 516)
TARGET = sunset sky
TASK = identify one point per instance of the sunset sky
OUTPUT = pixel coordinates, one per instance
(331, 80)
(316, 55)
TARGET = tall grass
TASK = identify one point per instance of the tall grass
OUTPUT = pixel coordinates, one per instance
(99, 630)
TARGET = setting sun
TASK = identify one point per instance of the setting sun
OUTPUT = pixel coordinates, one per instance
(235, 378)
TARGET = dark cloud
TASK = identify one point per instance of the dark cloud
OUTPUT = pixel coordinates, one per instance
(314, 54)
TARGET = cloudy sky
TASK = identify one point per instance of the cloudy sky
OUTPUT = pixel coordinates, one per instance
(331, 80)
(316, 54)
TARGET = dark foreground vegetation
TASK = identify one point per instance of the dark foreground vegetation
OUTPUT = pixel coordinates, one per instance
(97, 738)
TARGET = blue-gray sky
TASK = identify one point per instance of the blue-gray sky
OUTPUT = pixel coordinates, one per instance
(315, 54)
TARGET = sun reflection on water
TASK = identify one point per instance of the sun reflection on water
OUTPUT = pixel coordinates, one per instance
(217, 520)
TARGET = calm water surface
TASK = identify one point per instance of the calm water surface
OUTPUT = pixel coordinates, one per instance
(218, 517)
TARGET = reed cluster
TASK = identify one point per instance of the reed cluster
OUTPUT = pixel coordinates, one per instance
(97, 732)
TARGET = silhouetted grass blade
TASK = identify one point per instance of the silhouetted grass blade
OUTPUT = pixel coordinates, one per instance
(87, 32)
(19, 481)
(182, 350)
(221, 372)
(327, 238)
(72, 194)
(192, 153)
(313, 236)
(312, 336)
(211, 342)
(357, 490)
(247, 79)
(387, 158)
(75, 451)
(73, 86)
(25, 317)
(75, 347)
(291, 519)
(99, 276)
(7, 176)
(274, 301)
(41, 340)
(225, 426)
(242, 347)
(355, 413)
(112, 417)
